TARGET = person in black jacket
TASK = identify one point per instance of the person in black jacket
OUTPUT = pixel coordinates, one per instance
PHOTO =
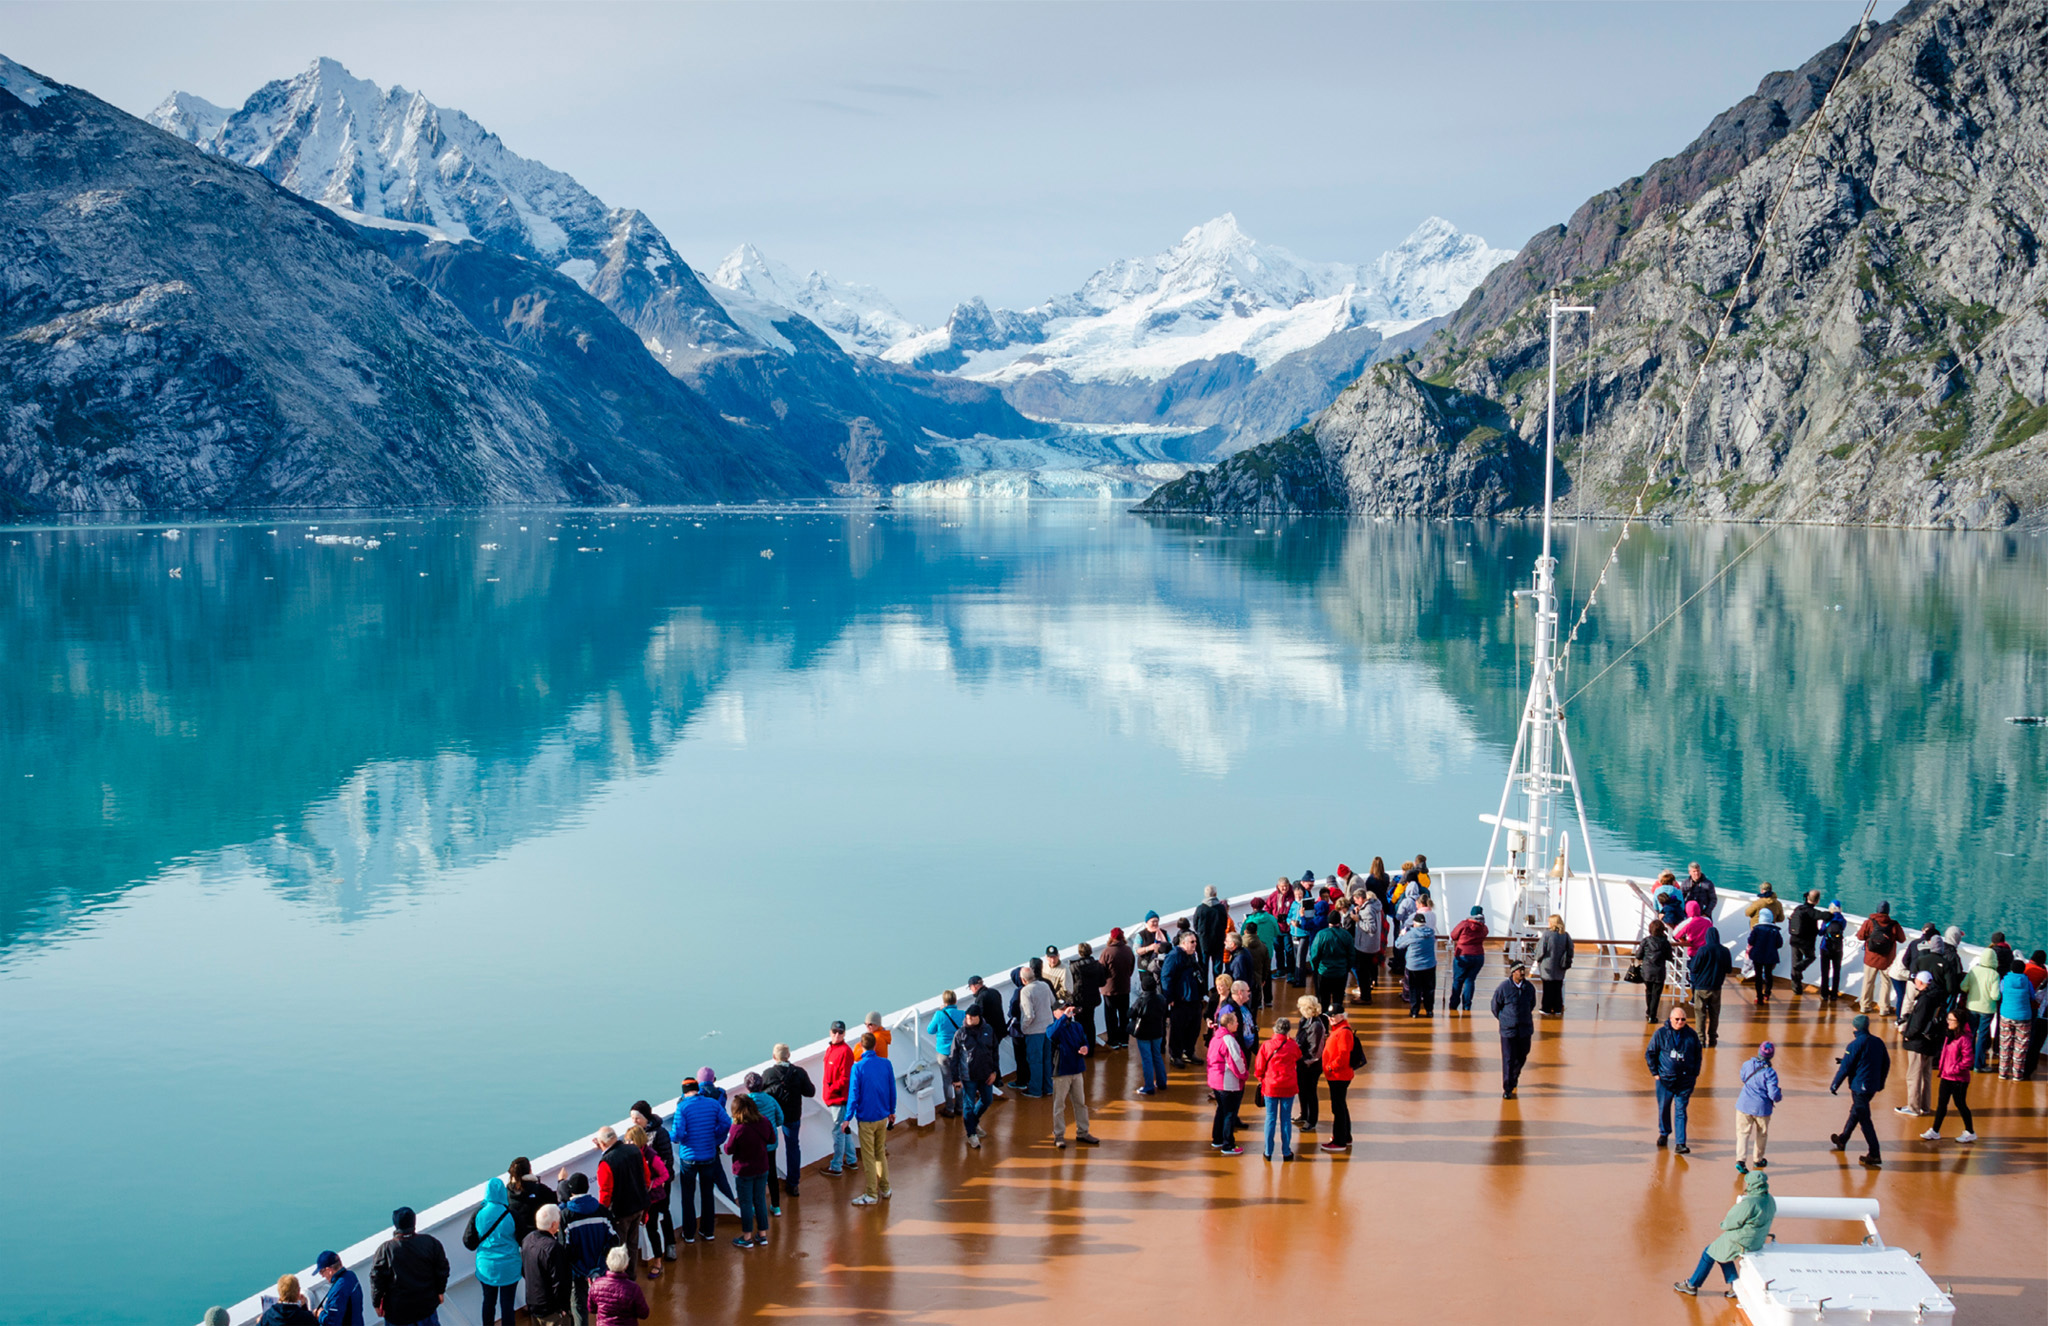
(1211, 919)
(1922, 1041)
(1185, 988)
(409, 1275)
(1148, 1029)
(1802, 932)
(547, 1266)
(976, 1066)
(1766, 941)
(662, 1227)
(791, 1086)
(1653, 954)
(1673, 1058)
(1865, 1066)
(524, 1196)
(1833, 927)
(1514, 1007)
(1709, 967)
(622, 1187)
(1085, 978)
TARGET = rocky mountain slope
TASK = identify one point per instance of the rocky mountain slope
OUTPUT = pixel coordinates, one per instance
(1885, 363)
(176, 331)
(392, 159)
(859, 317)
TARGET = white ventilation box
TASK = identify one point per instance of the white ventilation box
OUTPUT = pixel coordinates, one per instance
(1794, 1284)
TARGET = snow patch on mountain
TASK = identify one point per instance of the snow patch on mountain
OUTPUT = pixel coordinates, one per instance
(1217, 292)
(22, 85)
(859, 317)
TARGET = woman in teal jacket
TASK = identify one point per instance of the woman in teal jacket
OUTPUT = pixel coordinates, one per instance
(497, 1256)
(1744, 1229)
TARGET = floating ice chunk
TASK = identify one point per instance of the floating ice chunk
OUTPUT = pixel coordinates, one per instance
(767, 552)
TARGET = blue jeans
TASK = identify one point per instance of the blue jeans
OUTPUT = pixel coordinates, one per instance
(753, 1202)
(1465, 979)
(499, 1298)
(1666, 1096)
(1986, 1041)
(1152, 1059)
(974, 1102)
(1707, 1263)
(1037, 1081)
(845, 1145)
(795, 1163)
(1280, 1116)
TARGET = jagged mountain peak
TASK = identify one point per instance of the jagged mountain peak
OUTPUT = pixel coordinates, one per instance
(859, 317)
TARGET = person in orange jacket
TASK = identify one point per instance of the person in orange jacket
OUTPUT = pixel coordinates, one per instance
(1340, 1065)
(1279, 1083)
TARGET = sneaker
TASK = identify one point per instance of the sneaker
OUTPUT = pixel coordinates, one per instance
(1060, 1142)
(1681, 1150)
(1967, 1137)
(1930, 1136)
(1144, 1091)
(1507, 1095)
(885, 1194)
(863, 1200)
(1741, 1168)
(1763, 1164)
(1233, 1151)
(689, 1238)
(775, 1210)
(1687, 1288)
(743, 1242)
(974, 1141)
(1087, 1139)
(1908, 1112)
(833, 1172)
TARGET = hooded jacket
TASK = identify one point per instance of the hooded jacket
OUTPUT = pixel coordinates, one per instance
(1368, 925)
(1701, 891)
(1958, 1057)
(1980, 987)
(1670, 904)
(2016, 996)
(1692, 929)
(1710, 963)
(1067, 1038)
(1881, 937)
(1331, 954)
(1760, 1091)
(1337, 1051)
(1802, 928)
(288, 1314)
(616, 1300)
(497, 1257)
(587, 1230)
(1926, 1022)
(1468, 938)
(1761, 901)
(1275, 1068)
(1865, 1066)
(1180, 978)
(974, 1053)
(1226, 1064)
(1766, 941)
(1833, 927)
(1418, 945)
(838, 1069)
(1748, 1222)
(1554, 955)
(1119, 960)
(1654, 952)
(1210, 920)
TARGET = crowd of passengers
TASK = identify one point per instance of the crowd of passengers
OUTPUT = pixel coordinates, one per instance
(1190, 996)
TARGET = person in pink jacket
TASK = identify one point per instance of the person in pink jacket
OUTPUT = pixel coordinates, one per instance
(1958, 1056)
(1691, 930)
(1279, 1083)
(1226, 1079)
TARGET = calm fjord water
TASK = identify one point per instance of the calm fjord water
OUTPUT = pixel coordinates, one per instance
(337, 876)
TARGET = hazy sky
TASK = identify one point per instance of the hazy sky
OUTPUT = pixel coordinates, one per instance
(944, 150)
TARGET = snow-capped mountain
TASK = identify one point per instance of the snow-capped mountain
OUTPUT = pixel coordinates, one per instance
(859, 317)
(1217, 292)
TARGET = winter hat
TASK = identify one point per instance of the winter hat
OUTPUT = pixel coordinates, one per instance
(1478, 911)
(401, 1219)
(325, 1260)
(706, 1076)
(752, 1081)
(1766, 1050)
(216, 1317)
(1860, 1022)
(642, 1107)
(1954, 934)
(1343, 871)
(1116, 934)
(1885, 908)
(1835, 906)
(1151, 916)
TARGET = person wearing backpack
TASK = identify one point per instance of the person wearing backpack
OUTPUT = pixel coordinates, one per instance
(1148, 1029)
(945, 1024)
(1342, 1058)
(498, 1268)
(791, 1086)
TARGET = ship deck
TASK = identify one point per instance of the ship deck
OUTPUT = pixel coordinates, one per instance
(1452, 1200)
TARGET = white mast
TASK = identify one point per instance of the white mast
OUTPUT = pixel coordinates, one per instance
(1536, 842)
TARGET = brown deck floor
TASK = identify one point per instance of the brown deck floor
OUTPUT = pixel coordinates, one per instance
(1452, 1205)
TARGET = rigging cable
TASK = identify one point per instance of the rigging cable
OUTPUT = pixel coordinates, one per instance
(1938, 394)
(1735, 300)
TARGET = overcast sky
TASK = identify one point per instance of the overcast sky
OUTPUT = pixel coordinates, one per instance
(944, 150)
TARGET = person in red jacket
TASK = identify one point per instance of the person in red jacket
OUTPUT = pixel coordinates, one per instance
(1278, 1083)
(1338, 1072)
(838, 1072)
(1468, 955)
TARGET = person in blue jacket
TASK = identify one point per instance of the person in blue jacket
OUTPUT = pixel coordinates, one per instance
(1766, 941)
(699, 1128)
(1760, 1094)
(1673, 1058)
(587, 1229)
(871, 1109)
(498, 1268)
(343, 1305)
(1865, 1066)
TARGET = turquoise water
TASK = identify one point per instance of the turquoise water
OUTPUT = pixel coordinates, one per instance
(336, 876)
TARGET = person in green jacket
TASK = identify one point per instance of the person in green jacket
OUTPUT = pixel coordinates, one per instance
(1744, 1229)
(1980, 996)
